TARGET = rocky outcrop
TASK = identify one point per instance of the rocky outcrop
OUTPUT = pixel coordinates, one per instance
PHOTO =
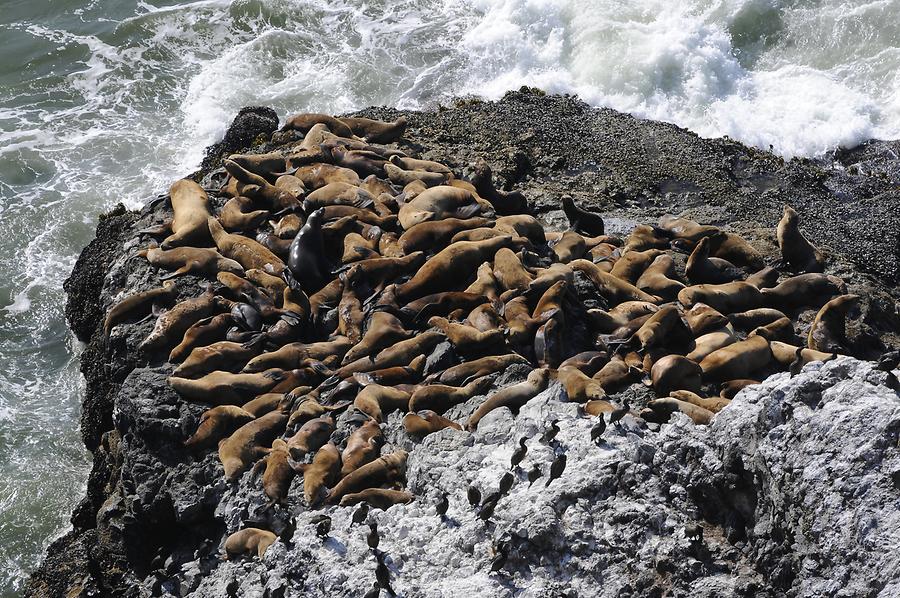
(765, 481)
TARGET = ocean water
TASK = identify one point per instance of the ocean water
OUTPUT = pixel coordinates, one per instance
(107, 102)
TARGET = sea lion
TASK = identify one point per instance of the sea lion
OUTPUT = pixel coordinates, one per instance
(216, 424)
(781, 329)
(247, 252)
(703, 269)
(380, 498)
(608, 321)
(659, 278)
(703, 319)
(763, 279)
(381, 471)
(171, 325)
(737, 360)
(728, 390)
(754, 318)
(258, 188)
(522, 225)
(264, 403)
(190, 206)
(805, 290)
(400, 176)
(440, 397)
(288, 226)
(579, 387)
(709, 342)
(248, 541)
(645, 236)
(190, 260)
(675, 372)
(828, 331)
(363, 447)
(682, 228)
(512, 397)
(726, 298)
(440, 304)
(273, 286)
(292, 184)
(735, 249)
(443, 271)
(786, 354)
(485, 317)
(610, 287)
(630, 266)
(399, 354)
(311, 436)
(305, 121)
(278, 473)
(324, 470)
(438, 203)
(714, 404)
(249, 443)
(363, 215)
(583, 221)
(663, 328)
(222, 355)
(226, 388)
(265, 165)
(238, 214)
(508, 270)
(477, 368)
(505, 203)
(306, 256)
(414, 164)
(291, 354)
(467, 340)
(427, 422)
(137, 302)
(363, 162)
(375, 131)
(201, 333)
(598, 407)
(383, 329)
(374, 400)
(436, 234)
(569, 247)
(665, 407)
(316, 176)
(796, 250)
(588, 362)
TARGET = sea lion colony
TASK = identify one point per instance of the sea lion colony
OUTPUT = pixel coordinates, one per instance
(348, 279)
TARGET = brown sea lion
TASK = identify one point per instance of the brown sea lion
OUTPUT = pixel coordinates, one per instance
(222, 355)
(249, 443)
(709, 342)
(485, 317)
(363, 447)
(804, 290)
(781, 329)
(796, 250)
(258, 188)
(522, 225)
(264, 403)
(468, 340)
(438, 203)
(171, 325)
(726, 298)
(201, 333)
(316, 176)
(249, 540)
(675, 372)
(383, 470)
(238, 214)
(273, 286)
(613, 289)
(508, 270)
(645, 237)
(374, 400)
(414, 164)
(608, 321)
(735, 249)
(137, 302)
(440, 397)
(190, 205)
(226, 388)
(382, 330)
(278, 474)
(363, 162)
(631, 265)
(190, 260)
(324, 471)
(703, 319)
(703, 269)
(828, 331)
(579, 387)
(512, 397)
(786, 354)
(399, 176)
(247, 252)
(737, 360)
(753, 318)
(216, 424)
(569, 247)
(664, 408)
(589, 362)
(665, 328)
(305, 121)
(375, 131)
(714, 404)
(477, 368)
(294, 353)
(380, 498)
(728, 390)
(435, 235)
(427, 422)
(598, 407)
(338, 194)
(682, 228)
(311, 436)
(659, 278)
(265, 165)
(287, 226)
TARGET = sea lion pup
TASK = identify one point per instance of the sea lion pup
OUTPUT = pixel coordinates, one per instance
(247, 252)
(291, 354)
(225, 388)
(804, 290)
(703, 319)
(190, 206)
(324, 471)
(714, 404)
(786, 354)
(438, 203)
(137, 302)
(630, 266)
(216, 424)
(763, 279)
(311, 436)
(726, 298)
(436, 234)
(485, 283)
(222, 355)
(735, 249)
(467, 340)
(610, 287)
(238, 214)
(580, 387)
(249, 443)
(728, 390)
(598, 407)
(374, 400)
(659, 278)
(384, 470)
(171, 325)
(478, 368)
(306, 256)
(607, 322)
(383, 330)
(580, 220)
(522, 225)
(440, 397)
(675, 372)
(709, 342)
(380, 498)
(450, 268)
(307, 120)
(828, 331)
(512, 397)
(664, 408)
(703, 269)
(427, 422)
(683, 228)
(279, 247)
(569, 247)
(796, 250)
(317, 176)
(363, 447)
(249, 540)
(374, 131)
(737, 360)
(781, 329)
(190, 260)
(399, 176)
(201, 333)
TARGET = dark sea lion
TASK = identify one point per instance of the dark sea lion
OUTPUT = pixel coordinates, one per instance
(306, 257)
(375, 131)
(441, 397)
(505, 203)
(427, 422)
(226, 388)
(217, 423)
(582, 220)
(675, 372)
(805, 290)
(763, 279)
(238, 214)
(386, 469)
(737, 360)
(137, 302)
(703, 269)
(190, 260)
(249, 443)
(249, 540)
(512, 397)
(247, 252)
(171, 325)
(796, 250)
(324, 470)
(362, 447)
(305, 121)
(828, 331)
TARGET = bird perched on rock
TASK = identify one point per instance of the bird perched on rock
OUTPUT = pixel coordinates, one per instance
(492, 498)
(323, 525)
(360, 514)
(506, 482)
(694, 533)
(487, 510)
(797, 364)
(374, 592)
(618, 414)
(474, 496)
(442, 505)
(598, 430)
(383, 575)
(551, 432)
(500, 556)
(533, 474)
(556, 469)
(519, 453)
(372, 538)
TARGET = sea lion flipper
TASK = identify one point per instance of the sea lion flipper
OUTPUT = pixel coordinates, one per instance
(159, 229)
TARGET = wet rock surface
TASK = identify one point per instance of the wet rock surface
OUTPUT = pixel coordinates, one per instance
(768, 480)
